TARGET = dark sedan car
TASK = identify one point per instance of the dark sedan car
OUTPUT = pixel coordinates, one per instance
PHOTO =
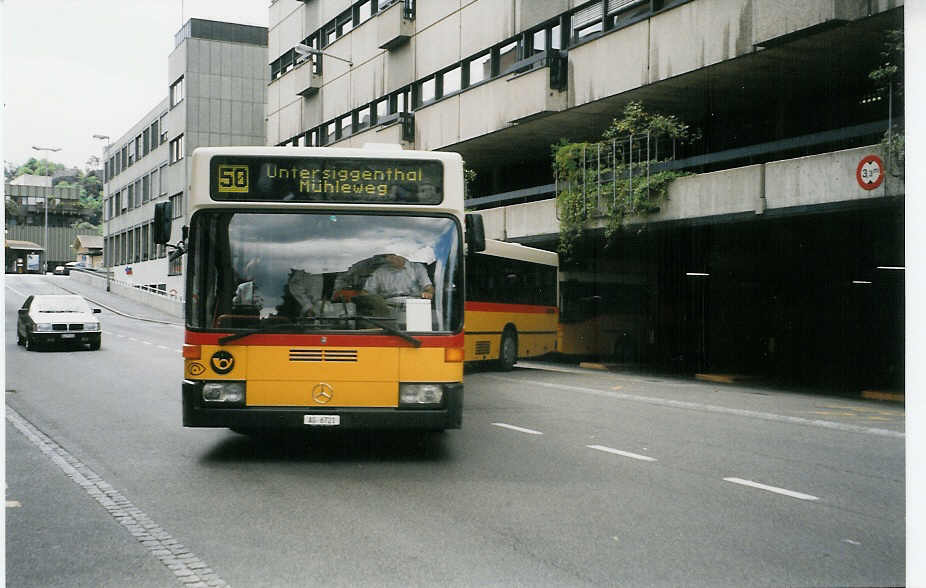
(57, 318)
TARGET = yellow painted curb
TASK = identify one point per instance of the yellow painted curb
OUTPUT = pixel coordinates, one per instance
(877, 395)
(593, 366)
(719, 378)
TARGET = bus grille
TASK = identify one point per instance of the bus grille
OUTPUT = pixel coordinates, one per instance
(341, 355)
(483, 347)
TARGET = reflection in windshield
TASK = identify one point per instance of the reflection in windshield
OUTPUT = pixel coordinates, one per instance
(312, 271)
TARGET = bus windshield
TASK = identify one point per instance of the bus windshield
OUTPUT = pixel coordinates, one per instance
(318, 271)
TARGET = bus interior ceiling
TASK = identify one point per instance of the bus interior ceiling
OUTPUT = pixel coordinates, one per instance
(796, 300)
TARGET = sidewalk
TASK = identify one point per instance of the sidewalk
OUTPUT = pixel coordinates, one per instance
(113, 302)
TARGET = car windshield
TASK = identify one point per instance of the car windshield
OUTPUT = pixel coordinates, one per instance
(300, 272)
(53, 304)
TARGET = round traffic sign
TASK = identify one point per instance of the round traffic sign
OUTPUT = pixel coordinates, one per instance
(870, 172)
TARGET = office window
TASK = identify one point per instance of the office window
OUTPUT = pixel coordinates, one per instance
(587, 21)
(451, 81)
(176, 204)
(146, 141)
(364, 117)
(507, 56)
(162, 180)
(154, 135)
(364, 11)
(138, 148)
(345, 22)
(176, 149)
(346, 126)
(427, 91)
(480, 68)
(330, 133)
(125, 157)
(176, 92)
(381, 109)
(163, 128)
(145, 189)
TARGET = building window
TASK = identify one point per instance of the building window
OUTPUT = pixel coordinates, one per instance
(451, 81)
(145, 189)
(176, 204)
(163, 128)
(176, 92)
(345, 126)
(176, 149)
(146, 141)
(154, 135)
(480, 68)
(428, 91)
(162, 180)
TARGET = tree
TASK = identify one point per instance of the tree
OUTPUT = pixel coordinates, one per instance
(889, 81)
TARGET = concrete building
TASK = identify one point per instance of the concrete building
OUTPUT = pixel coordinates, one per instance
(26, 197)
(216, 92)
(765, 262)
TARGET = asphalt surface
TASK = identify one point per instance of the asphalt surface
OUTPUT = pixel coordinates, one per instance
(561, 476)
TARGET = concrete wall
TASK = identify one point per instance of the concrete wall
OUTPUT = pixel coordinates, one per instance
(828, 178)
(170, 305)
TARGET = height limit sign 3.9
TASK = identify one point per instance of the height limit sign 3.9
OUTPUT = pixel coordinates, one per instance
(870, 172)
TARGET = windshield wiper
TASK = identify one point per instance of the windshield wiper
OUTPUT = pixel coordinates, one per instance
(243, 334)
(390, 329)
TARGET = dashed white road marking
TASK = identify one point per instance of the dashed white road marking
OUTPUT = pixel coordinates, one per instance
(519, 429)
(13, 504)
(776, 490)
(622, 453)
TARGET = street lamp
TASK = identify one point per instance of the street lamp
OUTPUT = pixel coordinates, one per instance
(106, 257)
(305, 51)
(45, 244)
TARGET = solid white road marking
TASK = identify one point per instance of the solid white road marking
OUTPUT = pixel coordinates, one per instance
(706, 407)
(623, 453)
(519, 429)
(782, 491)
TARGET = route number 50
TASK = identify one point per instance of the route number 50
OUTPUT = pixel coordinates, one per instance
(233, 178)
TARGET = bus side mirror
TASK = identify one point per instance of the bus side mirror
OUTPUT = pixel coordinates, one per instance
(475, 233)
(162, 217)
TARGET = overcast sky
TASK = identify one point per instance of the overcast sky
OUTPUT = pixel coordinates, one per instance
(75, 68)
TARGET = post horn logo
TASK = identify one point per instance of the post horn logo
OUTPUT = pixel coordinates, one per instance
(222, 362)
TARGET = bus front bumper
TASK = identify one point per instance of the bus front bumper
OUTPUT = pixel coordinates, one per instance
(447, 416)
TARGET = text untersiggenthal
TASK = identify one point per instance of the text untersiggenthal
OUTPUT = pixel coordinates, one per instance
(335, 180)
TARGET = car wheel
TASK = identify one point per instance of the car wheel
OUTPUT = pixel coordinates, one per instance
(508, 351)
(30, 344)
(19, 339)
(94, 345)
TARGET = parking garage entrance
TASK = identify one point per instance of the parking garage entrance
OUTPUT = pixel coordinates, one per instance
(812, 299)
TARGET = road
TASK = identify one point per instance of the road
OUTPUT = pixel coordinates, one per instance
(560, 476)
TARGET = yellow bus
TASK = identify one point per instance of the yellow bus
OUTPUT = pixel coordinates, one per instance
(511, 297)
(324, 288)
(602, 318)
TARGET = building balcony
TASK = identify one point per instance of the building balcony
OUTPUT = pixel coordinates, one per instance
(394, 27)
(307, 82)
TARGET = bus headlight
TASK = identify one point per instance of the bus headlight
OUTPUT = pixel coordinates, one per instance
(224, 392)
(420, 394)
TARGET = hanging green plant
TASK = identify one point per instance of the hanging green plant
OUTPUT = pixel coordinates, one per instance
(612, 178)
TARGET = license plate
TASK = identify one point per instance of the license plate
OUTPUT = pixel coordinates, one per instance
(322, 420)
(68, 336)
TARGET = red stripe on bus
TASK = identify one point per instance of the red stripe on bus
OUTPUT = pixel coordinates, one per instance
(509, 308)
(299, 339)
